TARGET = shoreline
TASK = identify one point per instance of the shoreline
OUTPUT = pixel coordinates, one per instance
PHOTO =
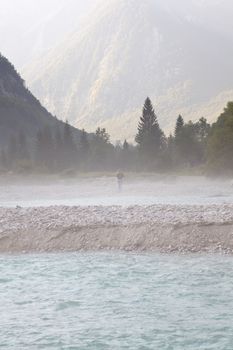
(215, 238)
(157, 228)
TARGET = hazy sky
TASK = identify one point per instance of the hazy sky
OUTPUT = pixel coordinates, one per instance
(28, 27)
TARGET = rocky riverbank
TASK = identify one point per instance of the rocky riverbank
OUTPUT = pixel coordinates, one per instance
(162, 228)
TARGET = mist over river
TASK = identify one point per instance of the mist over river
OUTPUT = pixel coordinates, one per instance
(150, 213)
(91, 301)
(144, 190)
(99, 297)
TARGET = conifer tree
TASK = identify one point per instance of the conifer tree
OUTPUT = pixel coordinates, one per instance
(125, 159)
(70, 149)
(220, 143)
(38, 158)
(125, 146)
(102, 135)
(59, 150)
(102, 149)
(84, 145)
(150, 138)
(203, 129)
(179, 126)
(67, 136)
(44, 156)
(12, 152)
(180, 145)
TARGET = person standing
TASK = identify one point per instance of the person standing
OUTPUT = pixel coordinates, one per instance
(120, 177)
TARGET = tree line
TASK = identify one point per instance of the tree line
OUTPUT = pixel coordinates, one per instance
(192, 145)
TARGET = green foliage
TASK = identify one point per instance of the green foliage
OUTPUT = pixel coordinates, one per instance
(179, 126)
(44, 152)
(125, 146)
(220, 143)
(190, 139)
(84, 150)
(69, 146)
(7, 68)
(102, 151)
(84, 144)
(193, 145)
(150, 138)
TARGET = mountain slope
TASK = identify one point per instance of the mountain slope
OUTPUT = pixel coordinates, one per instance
(130, 49)
(20, 111)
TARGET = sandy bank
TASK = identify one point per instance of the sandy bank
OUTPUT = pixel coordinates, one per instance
(163, 228)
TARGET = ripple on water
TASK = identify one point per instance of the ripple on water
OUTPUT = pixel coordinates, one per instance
(67, 305)
(116, 301)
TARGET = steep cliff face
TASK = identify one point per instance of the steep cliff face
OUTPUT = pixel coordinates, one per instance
(20, 111)
(129, 49)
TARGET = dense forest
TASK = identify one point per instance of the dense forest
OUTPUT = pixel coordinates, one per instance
(193, 146)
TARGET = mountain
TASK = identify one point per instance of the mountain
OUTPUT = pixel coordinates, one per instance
(175, 52)
(20, 111)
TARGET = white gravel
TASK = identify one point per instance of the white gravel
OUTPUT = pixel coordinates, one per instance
(44, 218)
(187, 228)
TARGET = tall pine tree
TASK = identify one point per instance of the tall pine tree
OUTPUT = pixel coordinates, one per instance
(150, 138)
(179, 126)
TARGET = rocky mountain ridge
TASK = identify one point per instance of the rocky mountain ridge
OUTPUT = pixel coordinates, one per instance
(128, 50)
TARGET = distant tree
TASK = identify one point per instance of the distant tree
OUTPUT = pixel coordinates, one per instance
(102, 136)
(179, 126)
(67, 136)
(12, 152)
(168, 156)
(102, 150)
(23, 151)
(150, 138)
(127, 157)
(190, 144)
(39, 149)
(85, 150)
(45, 150)
(70, 149)
(203, 130)
(220, 143)
(125, 146)
(179, 142)
(59, 150)
(84, 144)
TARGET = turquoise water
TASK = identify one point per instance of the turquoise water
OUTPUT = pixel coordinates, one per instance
(116, 301)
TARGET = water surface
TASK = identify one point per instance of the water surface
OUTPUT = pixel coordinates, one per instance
(116, 301)
(104, 191)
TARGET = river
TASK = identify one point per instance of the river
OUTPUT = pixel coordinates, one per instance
(91, 301)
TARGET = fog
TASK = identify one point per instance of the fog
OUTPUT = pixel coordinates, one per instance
(116, 140)
(41, 25)
(139, 190)
(99, 76)
(37, 26)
